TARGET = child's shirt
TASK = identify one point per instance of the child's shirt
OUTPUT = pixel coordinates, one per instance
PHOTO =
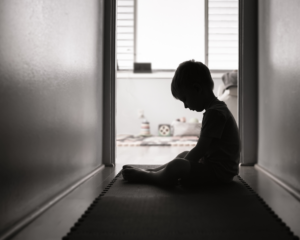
(223, 154)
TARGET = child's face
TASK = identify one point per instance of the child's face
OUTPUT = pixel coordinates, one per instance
(193, 98)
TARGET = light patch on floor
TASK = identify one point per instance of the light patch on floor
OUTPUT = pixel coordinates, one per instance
(148, 155)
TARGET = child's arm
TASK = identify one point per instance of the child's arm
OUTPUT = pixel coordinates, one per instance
(200, 149)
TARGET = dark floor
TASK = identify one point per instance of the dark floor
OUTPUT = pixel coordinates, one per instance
(58, 220)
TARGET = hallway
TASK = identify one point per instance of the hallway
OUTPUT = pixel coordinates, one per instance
(58, 220)
(57, 101)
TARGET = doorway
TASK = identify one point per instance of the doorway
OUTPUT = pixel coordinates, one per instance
(215, 43)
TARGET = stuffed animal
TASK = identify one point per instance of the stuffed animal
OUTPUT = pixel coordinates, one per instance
(193, 120)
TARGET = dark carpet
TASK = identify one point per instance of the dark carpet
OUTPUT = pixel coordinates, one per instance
(139, 211)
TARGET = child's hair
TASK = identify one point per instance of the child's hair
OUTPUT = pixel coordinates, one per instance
(190, 72)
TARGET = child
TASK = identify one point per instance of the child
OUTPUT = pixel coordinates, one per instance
(215, 158)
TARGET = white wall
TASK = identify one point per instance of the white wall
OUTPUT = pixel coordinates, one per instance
(279, 87)
(155, 98)
(51, 100)
(170, 32)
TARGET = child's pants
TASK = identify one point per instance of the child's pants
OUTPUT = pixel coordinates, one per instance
(200, 174)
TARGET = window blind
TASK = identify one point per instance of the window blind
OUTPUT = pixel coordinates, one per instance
(222, 31)
(125, 34)
(222, 34)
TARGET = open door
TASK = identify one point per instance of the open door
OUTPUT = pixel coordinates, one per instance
(247, 80)
(109, 83)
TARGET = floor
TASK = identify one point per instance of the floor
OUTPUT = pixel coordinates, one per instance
(148, 155)
(57, 221)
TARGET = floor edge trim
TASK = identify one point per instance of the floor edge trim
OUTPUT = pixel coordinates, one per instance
(278, 181)
(92, 205)
(246, 185)
(32, 216)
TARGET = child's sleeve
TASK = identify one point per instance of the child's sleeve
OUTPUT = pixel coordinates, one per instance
(213, 124)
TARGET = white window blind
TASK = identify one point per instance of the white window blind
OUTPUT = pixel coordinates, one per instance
(222, 34)
(125, 34)
(170, 32)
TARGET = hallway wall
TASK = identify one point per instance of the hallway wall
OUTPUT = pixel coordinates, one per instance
(279, 89)
(50, 100)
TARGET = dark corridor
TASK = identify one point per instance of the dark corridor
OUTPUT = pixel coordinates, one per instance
(57, 111)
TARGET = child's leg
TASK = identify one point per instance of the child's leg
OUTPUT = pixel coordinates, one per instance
(167, 176)
(181, 155)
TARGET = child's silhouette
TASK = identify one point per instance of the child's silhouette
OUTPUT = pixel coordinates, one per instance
(215, 158)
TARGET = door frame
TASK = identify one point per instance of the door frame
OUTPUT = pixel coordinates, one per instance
(109, 84)
(247, 82)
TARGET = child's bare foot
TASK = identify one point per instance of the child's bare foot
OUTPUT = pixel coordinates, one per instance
(135, 175)
(151, 170)
(131, 167)
(148, 169)
(140, 176)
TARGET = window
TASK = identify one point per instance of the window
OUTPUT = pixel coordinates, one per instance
(167, 32)
(125, 46)
(222, 41)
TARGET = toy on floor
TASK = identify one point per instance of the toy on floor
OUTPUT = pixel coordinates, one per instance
(145, 125)
(180, 127)
(164, 130)
(193, 120)
(145, 128)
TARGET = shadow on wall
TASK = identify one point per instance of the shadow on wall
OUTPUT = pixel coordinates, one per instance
(51, 101)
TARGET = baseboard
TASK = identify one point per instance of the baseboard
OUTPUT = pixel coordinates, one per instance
(247, 164)
(28, 219)
(278, 181)
(110, 165)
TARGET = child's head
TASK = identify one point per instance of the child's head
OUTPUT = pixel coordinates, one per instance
(192, 79)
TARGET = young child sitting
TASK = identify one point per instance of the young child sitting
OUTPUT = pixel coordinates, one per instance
(215, 158)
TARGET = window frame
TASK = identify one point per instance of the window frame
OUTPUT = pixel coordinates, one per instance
(247, 85)
(206, 42)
